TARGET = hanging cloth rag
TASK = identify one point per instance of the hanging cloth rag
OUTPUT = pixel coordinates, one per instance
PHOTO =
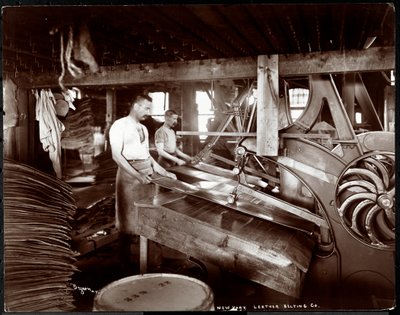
(50, 127)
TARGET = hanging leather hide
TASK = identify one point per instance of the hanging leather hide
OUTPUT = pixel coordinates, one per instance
(83, 48)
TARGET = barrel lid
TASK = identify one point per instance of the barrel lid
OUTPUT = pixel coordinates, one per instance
(155, 292)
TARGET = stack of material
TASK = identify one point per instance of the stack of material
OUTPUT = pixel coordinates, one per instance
(107, 168)
(94, 227)
(88, 221)
(39, 262)
(79, 124)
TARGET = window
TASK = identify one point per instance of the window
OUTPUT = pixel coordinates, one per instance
(359, 119)
(392, 78)
(205, 111)
(160, 105)
(298, 99)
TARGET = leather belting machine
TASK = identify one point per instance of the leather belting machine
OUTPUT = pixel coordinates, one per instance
(271, 254)
(324, 207)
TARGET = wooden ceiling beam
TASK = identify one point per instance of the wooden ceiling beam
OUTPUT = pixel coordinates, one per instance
(266, 20)
(299, 29)
(372, 59)
(28, 53)
(262, 41)
(176, 30)
(282, 28)
(196, 26)
(237, 19)
(341, 16)
(118, 42)
(172, 46)
(364, 24)
(224, 20)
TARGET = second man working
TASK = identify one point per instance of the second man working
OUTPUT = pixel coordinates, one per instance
(165, 140)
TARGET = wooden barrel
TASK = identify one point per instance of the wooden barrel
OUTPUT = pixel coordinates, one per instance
(155, 292)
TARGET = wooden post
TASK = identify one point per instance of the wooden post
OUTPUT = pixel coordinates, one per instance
(175, 99)
(267, 105)
(10, 117)
(189, 118)
(389, 108)
(111, 109)
(143, 254)
(22, 129)
(348, 95)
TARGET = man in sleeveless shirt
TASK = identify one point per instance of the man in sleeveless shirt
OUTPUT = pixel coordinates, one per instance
(165, 141)
(129, 141)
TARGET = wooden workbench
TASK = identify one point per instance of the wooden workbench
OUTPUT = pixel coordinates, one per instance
(267, 253)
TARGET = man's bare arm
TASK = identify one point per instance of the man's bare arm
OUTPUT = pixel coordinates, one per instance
(166, 155)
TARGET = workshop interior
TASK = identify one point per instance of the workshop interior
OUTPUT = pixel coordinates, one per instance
(288, 114)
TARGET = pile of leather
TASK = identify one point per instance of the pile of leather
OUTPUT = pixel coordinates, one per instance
(78, 127)
(79, 124)
(95, 218)
(39, 262)
(107, 168)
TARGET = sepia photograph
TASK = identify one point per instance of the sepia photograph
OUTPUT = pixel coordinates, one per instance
(199, 157)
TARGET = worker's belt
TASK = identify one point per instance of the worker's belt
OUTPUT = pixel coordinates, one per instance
(142, 166)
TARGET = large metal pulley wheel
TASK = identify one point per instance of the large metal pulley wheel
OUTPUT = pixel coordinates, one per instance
(365, 199)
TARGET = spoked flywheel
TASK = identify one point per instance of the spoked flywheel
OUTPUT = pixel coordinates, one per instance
(365, 199)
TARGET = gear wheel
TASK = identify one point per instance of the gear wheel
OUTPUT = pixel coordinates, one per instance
(365, 199)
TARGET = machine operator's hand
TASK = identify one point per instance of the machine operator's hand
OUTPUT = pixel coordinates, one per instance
(193, 160)
(163, 172)
(144, 179)
(167, 174)
(170, 175)
(180, 162)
